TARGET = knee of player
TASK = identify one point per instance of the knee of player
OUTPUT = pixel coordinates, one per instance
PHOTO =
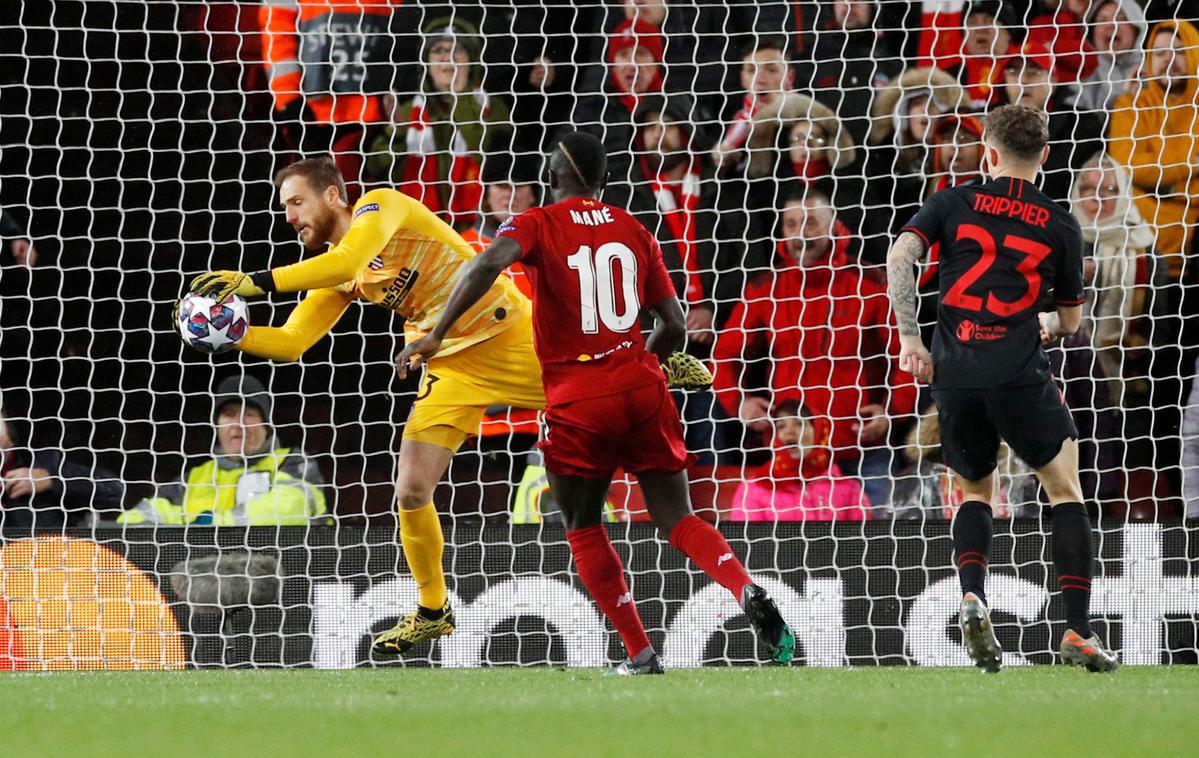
(573, 521)
(411, 494)
(1064, 491)
(666, 520)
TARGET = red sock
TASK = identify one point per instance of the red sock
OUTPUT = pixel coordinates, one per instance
(699, 541)
(603, 575)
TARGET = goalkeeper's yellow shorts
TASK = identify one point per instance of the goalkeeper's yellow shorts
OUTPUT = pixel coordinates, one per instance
(457, 389)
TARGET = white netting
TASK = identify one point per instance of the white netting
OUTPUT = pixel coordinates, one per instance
(139, 141)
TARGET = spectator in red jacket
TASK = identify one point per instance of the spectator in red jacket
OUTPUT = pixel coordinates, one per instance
(636, 72)
(971, 41)
(1064, 33)
(828, 334)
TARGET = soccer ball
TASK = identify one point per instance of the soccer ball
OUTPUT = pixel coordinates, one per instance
(212, 327)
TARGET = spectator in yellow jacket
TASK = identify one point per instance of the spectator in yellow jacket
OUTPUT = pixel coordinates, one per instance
(1155, 133)
(248, 481)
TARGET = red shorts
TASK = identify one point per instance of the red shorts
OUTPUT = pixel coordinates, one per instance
(637, 430)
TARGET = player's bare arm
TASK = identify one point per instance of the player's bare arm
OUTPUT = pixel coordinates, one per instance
(670, 326)
(475, 279)
(1063, 322)
(901, 289)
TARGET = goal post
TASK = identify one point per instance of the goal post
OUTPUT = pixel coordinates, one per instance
(774, 150)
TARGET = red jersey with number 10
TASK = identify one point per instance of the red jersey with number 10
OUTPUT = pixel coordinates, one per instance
(593, 268)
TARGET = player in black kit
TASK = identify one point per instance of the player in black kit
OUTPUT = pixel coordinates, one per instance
(1005, 246)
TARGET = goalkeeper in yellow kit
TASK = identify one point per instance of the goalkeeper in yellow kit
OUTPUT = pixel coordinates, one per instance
(392, 250)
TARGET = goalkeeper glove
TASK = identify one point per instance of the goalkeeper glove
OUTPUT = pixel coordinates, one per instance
(219, 285)
(686, 372)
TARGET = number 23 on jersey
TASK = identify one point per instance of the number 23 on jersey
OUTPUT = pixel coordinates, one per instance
(1034, 252)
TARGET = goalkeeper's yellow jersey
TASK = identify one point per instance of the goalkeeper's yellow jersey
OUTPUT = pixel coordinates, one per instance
(400, 255)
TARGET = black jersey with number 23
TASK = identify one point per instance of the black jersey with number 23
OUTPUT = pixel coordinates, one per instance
(1004, 246)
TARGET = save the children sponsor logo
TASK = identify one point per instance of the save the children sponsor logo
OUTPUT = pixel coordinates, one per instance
(969, 331)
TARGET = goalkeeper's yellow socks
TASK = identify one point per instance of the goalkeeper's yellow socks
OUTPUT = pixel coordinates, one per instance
(420, 534)
(971, 531)
(708, 549)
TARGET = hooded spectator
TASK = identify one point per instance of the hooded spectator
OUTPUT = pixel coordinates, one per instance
(905, 109)
(634, 56)
(1039, 78)
(801, 482)
(693, 65)
(249, 480)
(1154, 132)
(796, 136)
(542, 104)
(1130, 280)
(904, 114)
(1117, 33)
(828, 333)
(534, 53)
(433, 149)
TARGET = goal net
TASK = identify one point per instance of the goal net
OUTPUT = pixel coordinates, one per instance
(774, 149)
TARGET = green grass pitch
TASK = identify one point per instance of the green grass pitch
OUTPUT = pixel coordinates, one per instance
(1021, 713)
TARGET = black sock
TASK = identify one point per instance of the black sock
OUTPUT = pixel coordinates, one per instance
(1072, 559)
(430, 613)
(972, 546)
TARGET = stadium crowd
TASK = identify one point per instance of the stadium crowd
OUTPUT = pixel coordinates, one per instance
(774, 149)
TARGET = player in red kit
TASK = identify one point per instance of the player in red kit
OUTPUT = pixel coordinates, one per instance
(594, 270)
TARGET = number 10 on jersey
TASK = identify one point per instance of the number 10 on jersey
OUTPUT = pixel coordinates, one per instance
(597, 288)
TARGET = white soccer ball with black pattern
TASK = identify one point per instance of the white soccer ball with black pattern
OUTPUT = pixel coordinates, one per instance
(213, 327)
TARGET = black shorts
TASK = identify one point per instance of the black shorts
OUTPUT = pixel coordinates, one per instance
(1033, 420)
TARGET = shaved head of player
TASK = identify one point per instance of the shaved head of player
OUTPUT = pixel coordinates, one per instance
(597, 273)
(578, 167)
(315, 202)
(1010, 282)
